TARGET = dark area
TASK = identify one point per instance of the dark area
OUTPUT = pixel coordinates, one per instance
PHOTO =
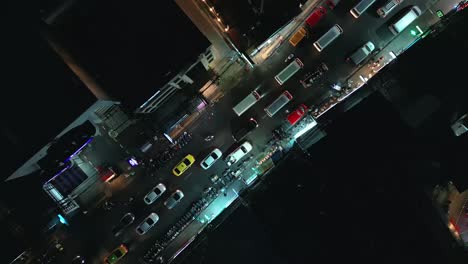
(240, 239)
(134, 47)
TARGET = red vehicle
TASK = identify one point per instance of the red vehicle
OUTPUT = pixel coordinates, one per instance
(107, 173)
(295, 116)
(316, 16)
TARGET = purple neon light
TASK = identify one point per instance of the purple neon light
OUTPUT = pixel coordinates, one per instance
(58, 173)
(80, 149)
(133, 162)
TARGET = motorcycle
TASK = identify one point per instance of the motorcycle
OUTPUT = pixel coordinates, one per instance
(289, 57)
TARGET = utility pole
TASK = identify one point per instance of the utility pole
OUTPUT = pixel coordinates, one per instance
(88, 80)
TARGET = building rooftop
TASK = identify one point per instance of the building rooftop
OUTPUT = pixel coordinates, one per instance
(41, 98)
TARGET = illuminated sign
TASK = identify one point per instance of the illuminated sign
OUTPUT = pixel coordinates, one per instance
(62, 219)
(133, 162)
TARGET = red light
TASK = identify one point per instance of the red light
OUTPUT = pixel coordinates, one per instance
(462, 6)
(123, 246)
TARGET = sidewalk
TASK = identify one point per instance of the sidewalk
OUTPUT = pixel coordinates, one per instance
(205, 217)
(268, 47)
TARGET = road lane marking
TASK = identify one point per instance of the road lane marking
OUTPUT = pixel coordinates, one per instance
(188, 175)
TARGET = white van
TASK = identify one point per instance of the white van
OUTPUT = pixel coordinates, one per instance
(405, 20)
(246, 103)
(361, 7)
(328, 37)
(361, 54)
(289, 71)
(281, 101)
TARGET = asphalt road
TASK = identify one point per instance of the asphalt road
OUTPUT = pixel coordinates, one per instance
(93, 232)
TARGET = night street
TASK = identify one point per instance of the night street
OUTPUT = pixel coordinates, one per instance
(280, 201)
(220, 119)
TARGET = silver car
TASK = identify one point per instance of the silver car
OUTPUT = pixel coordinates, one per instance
(174, 199)
(388, 7)
(147, 224)
(211, 159)
(154, 194)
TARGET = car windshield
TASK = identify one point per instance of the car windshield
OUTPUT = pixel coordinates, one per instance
(150, 221)
(118, 254)
(177, 170)
(127, 219)
(186, 162)
(214, 156)
(116, 229)
(204, 164)
(176, 196)
(157, 191)
(244, 149)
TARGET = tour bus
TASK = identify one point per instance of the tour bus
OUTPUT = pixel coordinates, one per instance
(246, 103)
(281, 101)
(361, 7)
(328, 37)
(289, 71)
(405, 20)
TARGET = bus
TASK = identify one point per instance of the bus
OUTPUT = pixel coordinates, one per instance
(361, 7)
(289, 71)
(244, 105)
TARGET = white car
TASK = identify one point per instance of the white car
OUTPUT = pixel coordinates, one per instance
(460, 127)
(154, 194)
(362, 53)
(388, 7)
(211, 158)
(147, 224)
(239, 153)
(174, 199)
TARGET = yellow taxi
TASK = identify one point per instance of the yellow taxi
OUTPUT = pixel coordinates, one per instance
(186, 163)
(116, 255)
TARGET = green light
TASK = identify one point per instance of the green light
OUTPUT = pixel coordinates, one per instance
(413, 32)
(440, 13)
